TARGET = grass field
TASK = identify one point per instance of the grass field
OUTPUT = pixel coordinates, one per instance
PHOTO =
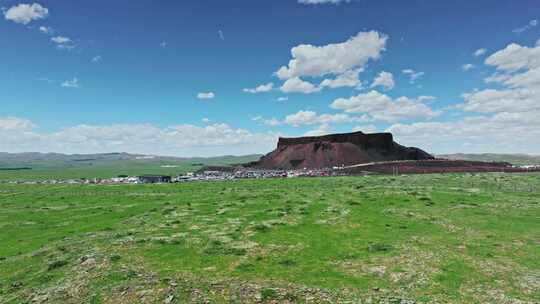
(67, 168)
(455, 238)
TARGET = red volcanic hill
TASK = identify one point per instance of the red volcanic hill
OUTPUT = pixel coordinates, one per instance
(337, 150)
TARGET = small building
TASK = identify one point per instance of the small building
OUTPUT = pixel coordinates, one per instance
(154, 179)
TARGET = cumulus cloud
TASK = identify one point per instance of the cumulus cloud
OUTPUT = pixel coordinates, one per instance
(267, 121)
(311, 2)
(312, 118)
(208, 95)
(504, 119)
(46, 30)
(412, 74)
(263, 88)
(63, 43)
(72, 83)
(272, 122)
(385, 80)
(519, 74)
(283, 98)
(297, 85)
(60, 39)
(509, 100)
(96, 58)
(323, 129)
(20, 135)
(317, 61)
(502, 133)
(479, 52)
(15, 124)
(515, 57)
(365, 129)
(347, 79)
(468, 66)
(381, 107)
(26, 13)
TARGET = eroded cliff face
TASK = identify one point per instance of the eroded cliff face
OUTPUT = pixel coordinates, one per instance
(383, 140)
(337, 150)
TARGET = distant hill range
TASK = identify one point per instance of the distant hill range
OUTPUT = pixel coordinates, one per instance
(57, 165)
(337, 150)
(515, 159)
(36, 157)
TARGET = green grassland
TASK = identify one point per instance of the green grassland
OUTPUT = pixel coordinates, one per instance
(68, 167)
(515, 159)
(456, 238)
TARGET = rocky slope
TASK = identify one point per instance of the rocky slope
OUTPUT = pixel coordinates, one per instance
(337, 150)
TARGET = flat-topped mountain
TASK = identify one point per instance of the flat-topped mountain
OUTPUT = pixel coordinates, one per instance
(337, 150)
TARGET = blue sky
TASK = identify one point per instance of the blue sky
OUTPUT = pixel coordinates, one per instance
(180, 77)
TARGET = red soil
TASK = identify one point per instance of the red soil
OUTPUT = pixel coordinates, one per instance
(432, 166)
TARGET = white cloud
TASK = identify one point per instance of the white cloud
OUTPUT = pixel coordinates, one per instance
(26, 13)
(365, 128)
(502, 133)
(60, 39)
(63, 43)
(203, 95)
(297, 85)
(497, 77)
(96, 58)
(413, 75)
(261, 89)
(515, 57)
(283, 98)
(532, 23)
(221, 35)
(67, 47)
(320, 131)
(317, 61)
(519, 74)
(267, 121)
(382, 107)
(20, 135)
(302, 117)
(312, 118)
(205, 120)
(507, 117)
(163, 44)
(468, 66)
(46, 30)
(508, 100)
(384, 79)
(479, 52)
(271, 122)
(347, 79)
(15, 124)
(310, 2)
(73, 83)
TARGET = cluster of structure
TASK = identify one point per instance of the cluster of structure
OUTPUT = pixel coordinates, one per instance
(330, 155)
(202, 175)
(252, 173)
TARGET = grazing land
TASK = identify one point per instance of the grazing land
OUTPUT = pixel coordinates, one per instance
(453, 238)
(46, 166)
(515, 159)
